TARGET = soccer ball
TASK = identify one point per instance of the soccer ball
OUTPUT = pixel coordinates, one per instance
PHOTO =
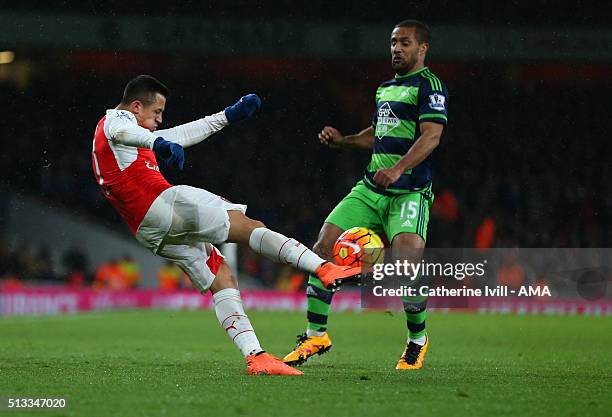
(358, 246)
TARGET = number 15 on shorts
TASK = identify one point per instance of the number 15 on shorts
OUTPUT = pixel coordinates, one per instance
(408, 212)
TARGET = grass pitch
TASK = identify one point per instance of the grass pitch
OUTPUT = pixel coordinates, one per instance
(166, 363)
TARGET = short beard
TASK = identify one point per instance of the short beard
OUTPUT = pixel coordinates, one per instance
(404, 69)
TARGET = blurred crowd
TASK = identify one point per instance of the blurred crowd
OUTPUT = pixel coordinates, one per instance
(25, 265)
(565, 272)
(520, 164)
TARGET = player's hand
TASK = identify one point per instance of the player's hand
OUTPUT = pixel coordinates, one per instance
(171, 153)
(244, 108)
(386, 176)
(331, 137)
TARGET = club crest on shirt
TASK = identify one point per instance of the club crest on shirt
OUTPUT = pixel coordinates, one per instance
(436, 101)
(386, 120)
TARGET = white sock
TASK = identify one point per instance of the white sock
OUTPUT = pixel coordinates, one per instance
(310, 332)
(280, 248)
(420, 341)
(234, 321)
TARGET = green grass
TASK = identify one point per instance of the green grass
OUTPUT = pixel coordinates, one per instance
(162, 363)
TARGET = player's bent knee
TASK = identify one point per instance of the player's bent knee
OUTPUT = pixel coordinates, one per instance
(239, 219)
(323, 249)
(327, 236)
(256, 224)
(241, 227)
(408, 240)
(408, 246)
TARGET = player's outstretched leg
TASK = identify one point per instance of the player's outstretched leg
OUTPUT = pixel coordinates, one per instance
(233, 319)
(281, 249)
(316, 340)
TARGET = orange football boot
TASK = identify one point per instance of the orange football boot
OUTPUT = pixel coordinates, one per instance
(263, 363)
(306, 347)
(332, 275)
(413, 356)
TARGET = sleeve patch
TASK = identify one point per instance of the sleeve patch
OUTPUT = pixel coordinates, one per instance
(437, 102)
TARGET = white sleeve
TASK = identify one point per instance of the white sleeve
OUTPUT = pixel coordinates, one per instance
(120, 128)
(192, 133)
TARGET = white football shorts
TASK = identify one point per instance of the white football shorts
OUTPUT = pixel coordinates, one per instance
(182, 225)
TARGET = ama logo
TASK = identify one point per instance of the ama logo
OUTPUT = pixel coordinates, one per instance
(386, 121)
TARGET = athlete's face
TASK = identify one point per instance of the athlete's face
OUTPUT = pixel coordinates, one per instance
(149, 116)
(406, 52)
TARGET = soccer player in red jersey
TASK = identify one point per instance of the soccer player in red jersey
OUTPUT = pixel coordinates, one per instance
(182, 223)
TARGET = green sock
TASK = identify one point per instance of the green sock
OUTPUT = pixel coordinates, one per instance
(319, 300)
(416, 312)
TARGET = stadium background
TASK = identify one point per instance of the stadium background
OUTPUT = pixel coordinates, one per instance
(525, 160)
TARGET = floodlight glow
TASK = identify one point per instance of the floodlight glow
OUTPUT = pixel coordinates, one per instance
(6, 57)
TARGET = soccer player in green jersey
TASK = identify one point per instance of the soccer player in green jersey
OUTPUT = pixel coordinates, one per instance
(394, 196)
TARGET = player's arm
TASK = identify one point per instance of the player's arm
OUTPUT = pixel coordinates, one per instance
(192, 133)
(121, 128)
(421, 149)
(332, 137)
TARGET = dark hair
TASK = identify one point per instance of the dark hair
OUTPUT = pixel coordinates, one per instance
(422, 32)
(143, 88)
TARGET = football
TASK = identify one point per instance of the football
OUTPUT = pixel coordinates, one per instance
(358, 246)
